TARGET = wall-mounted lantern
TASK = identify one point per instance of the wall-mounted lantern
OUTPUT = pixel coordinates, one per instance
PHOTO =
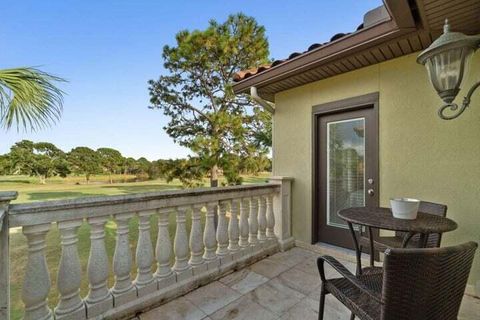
(447, 62)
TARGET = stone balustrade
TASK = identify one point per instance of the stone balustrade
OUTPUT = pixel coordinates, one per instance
(251, 223)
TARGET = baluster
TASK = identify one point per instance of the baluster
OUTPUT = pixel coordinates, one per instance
(253, 222)
(180, 246)
(244, 208)
(196, 242)
(144, 256)
(233, 231)
(209, 240)
(123, 289)
(222, 233)
(99, 298)
(163, 251)
(262, 220)
(270, 219)
(36, 283)
(69, 275)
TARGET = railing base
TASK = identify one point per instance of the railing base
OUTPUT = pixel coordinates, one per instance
(250, 220)
(153, 300)
(286, 244)
(95, 309)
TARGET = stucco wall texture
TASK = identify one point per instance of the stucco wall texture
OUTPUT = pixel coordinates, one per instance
(421, 156)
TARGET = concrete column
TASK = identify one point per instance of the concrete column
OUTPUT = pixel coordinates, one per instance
(144, 255)
(262, 220)
(163, 251)
(270, 218)
(196, 242)
(36, 283)
(233, 230)
(244, 209)
(99, 298)
(222, 233)
(69, 278)
(209, 239)
(180, 246)
(282, 211)
(123, 290)
(5, 198)
(253, 222)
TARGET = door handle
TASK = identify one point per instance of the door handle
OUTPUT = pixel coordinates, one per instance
(371, 192)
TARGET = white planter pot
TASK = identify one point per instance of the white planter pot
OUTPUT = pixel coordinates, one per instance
(404, 208)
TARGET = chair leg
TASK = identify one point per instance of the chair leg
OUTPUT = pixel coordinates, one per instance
(321, 306)
(352, 316)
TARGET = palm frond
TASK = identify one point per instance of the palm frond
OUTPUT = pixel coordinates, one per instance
(29, 99)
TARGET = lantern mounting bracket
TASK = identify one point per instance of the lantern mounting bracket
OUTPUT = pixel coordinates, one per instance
(446, 60)
(458, 110)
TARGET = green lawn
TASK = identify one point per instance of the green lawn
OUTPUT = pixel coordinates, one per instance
(30, 190)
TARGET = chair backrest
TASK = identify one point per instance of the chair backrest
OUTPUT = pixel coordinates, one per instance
(437, 209)
(425, 284)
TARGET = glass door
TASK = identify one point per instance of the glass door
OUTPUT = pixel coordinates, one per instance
(347, 166)
(345, 171)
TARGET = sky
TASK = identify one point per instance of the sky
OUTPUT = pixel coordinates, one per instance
(108, 50)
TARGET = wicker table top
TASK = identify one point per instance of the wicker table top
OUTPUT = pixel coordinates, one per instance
(382, 218)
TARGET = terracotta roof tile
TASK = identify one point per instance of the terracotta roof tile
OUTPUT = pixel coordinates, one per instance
(244, 74)
(240, 75)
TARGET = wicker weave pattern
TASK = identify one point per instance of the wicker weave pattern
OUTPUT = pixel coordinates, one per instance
(354, 299)
(416, 284)
(434, 239)
(425, 284)
(382, 218)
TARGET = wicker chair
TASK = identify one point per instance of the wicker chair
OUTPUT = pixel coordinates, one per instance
(416, 284)
(382, 243)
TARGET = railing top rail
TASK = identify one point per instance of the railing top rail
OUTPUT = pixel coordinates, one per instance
(8, 195)
(73, 209)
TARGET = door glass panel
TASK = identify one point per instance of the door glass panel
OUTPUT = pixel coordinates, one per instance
(345, 167)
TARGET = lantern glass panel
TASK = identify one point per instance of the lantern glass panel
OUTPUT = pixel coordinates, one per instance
(447, 69)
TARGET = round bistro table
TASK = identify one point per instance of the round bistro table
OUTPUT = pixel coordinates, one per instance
(382, 218)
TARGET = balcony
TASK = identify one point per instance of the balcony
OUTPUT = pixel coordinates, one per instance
(202, 235)
(221, 253)
(284, 286)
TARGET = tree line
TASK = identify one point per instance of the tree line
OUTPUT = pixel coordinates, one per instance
(225, 131)
(45, 160)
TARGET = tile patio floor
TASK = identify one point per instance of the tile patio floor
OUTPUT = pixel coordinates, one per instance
(283, 286)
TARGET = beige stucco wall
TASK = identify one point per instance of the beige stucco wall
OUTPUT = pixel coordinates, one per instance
(421, 155)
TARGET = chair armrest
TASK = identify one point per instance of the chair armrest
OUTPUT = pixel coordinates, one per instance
(340, 268)
(335, 264)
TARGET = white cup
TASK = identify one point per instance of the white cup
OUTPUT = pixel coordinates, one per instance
(404, 208)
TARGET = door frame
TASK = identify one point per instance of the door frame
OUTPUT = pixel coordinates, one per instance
(340, 106)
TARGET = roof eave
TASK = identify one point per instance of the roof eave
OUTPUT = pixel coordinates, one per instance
(351, 43)
(401, 13)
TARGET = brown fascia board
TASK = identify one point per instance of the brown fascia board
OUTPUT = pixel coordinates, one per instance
(347, 45)
(400, 12)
